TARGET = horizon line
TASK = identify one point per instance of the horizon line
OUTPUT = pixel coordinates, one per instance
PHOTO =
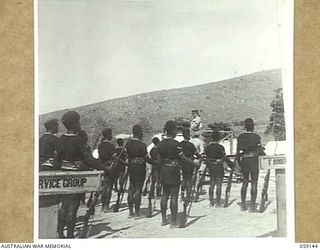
(199, 84)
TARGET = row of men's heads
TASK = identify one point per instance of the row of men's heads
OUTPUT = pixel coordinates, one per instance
(71, 120)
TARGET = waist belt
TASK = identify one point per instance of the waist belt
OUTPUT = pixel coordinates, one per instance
(249, 154)
(137, 160)
(214, 160)
(170, 163)
(68, 165)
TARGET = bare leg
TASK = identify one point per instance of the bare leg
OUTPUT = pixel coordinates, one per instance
(211, 189)
(164, 204)
(174, 192)
(130, 198)
(137, 197)
(218, 190)
(244, 190)
(254, 191)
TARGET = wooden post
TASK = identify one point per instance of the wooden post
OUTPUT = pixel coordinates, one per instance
(48, 216)
(281, 202)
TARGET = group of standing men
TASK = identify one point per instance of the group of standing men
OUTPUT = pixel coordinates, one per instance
(168, 158)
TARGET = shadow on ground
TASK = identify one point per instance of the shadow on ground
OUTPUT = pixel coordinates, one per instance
(185, 222)
(96, 229)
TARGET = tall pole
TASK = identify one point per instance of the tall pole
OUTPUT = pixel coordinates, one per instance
(281, 202)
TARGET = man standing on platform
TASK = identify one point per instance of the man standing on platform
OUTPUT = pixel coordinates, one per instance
(196, 123)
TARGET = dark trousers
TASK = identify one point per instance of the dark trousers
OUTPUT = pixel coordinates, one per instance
(134, 196)
(68, 214)
(173, 193)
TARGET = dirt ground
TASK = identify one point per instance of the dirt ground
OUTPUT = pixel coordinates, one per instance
(204, 221)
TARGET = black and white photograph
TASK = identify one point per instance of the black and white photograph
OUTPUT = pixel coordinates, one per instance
(162, 119)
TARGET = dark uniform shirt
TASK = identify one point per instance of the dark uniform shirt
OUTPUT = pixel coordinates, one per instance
(106, 150)
(214, 151)
(70, 147)
(249, 142)
(249, 146)
(169, 149)
(136, 149)
(137, 153)
(188, 148)
(47, 145)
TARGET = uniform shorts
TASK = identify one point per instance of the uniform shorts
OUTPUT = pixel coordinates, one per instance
(216, 169)
(170, 175)
(137, 171)
(250, 164)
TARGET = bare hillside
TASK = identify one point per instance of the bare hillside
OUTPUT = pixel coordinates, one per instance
(229, 100)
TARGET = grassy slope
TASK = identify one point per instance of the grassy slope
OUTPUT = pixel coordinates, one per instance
(229, 100)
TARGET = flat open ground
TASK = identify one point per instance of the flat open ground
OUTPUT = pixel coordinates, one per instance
(204, 221)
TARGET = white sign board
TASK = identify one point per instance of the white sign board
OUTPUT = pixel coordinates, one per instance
(272, 161)
(69, 182)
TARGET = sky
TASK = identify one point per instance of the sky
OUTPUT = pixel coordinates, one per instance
(95, 50)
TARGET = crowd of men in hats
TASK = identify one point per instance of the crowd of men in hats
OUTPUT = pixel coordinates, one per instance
(174, 165)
